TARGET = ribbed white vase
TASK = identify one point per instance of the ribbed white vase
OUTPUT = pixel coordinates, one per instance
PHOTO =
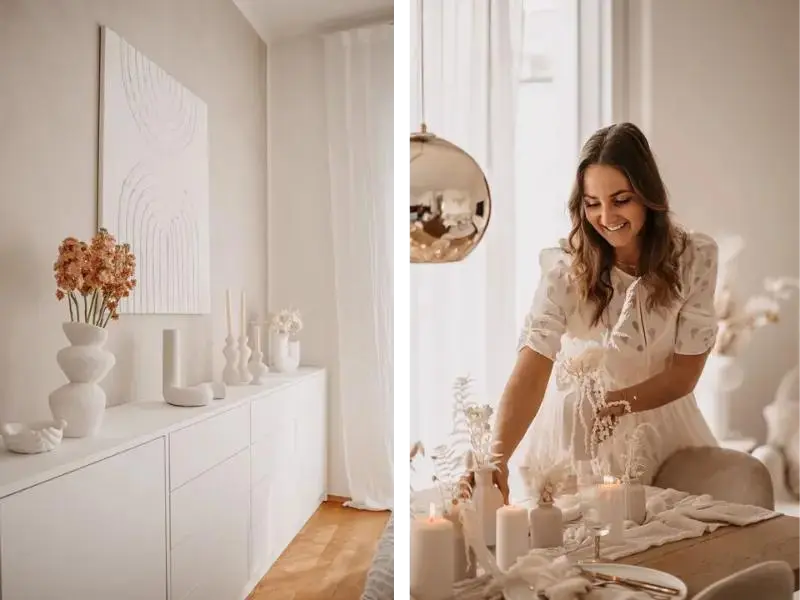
(82, 402)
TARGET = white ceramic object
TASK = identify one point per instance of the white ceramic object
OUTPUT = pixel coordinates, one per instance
(519, 590)
(82, 402)
(244, 359)
(258, 369)
(283, 360)
(230, 374)
(294, 352)
(488, 499)
(197, 395)
(32, 438)
(174, 391)
(635, 501)
(721, 377)
(546, 526)
(219, 390)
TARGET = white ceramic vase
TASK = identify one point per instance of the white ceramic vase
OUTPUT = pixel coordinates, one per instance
(546, 526)
(284, 358)
(721, 377)
(82, 402)
(635, 501)
(488, 499)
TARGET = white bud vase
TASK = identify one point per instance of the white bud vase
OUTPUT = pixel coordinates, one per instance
(81, 402)
(547, 526)
(635, 501)
(283, 360)
(488, 499)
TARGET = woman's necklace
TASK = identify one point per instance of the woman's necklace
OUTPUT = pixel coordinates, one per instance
(627, 267)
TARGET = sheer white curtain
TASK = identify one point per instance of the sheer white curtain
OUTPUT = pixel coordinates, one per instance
(359, 95)
(463, 315)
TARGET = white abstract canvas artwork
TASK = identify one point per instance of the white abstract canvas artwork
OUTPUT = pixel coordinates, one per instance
(154, 183)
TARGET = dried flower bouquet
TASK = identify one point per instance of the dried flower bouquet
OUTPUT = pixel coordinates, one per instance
(94, 277)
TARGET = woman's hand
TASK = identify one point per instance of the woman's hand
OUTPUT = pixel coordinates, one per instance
(499, 478)
(615, 412)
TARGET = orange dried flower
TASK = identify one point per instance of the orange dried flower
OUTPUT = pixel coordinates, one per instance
(100, 272)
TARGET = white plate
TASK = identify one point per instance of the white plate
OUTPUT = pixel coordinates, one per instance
(522, 592)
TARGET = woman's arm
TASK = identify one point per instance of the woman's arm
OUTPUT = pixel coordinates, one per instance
(676, 381)
(518, 406)
(521, 400)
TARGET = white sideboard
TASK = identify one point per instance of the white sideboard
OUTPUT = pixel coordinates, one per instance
(167, 502)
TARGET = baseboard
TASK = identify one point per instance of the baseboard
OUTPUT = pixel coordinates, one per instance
(337, 499)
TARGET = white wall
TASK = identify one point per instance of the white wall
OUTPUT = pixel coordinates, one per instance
(300, 237)
(49, 69)
(715, 85)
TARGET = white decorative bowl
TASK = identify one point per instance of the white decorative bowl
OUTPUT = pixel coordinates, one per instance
(32, 438)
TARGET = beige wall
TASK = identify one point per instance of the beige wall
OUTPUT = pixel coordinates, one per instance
(300, 236)
(717, 91)
(49, 65)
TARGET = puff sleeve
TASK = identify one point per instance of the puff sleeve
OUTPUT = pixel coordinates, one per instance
(697, 322)
(553, 301)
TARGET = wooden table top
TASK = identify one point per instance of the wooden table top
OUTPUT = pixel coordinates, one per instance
(704, 560)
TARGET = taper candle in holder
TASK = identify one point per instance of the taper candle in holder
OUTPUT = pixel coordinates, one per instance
(230, 374)
(244, 349)
(257, 367)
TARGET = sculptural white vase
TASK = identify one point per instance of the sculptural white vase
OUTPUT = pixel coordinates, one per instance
(82, 402)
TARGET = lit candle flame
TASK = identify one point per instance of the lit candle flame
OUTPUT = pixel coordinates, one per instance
(609, 479)
(432, 512)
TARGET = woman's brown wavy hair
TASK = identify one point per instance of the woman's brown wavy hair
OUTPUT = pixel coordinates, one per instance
(624, 147)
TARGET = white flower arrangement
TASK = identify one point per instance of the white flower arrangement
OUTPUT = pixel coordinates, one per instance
(545, 478)
(286, 321)
(737, 322)
(587, 371)
(633, 460)
(469, 447)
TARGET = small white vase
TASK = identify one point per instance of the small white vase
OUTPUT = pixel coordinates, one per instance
(547, 526)
(488, 499)
(294, 352)
(82, 402)
(283, 360)
(635, 501)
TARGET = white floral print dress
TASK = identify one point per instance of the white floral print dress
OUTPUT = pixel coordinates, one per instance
(559, 326)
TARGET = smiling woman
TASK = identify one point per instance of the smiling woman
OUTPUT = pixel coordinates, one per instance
(638, 289)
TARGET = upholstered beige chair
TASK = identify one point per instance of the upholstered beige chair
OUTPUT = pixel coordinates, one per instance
(724, 474)
(771, 580)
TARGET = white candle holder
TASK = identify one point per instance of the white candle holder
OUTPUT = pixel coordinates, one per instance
(244, 358)
(230, 374)
(257, 368)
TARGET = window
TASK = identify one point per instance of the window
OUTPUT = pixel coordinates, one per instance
(461, 321)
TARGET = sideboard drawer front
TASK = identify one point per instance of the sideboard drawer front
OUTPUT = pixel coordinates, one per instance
(198, 506)
(199, 447)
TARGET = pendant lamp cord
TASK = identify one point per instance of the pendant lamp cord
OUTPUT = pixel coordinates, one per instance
(421, 17)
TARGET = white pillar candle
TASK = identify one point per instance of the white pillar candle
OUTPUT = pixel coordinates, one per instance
(257, 333)
(244, 316)
(228, 311)
(512, 535)
(611, 503)
(432, 565)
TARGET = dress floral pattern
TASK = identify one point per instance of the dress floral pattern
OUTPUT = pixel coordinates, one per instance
(643, 341)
